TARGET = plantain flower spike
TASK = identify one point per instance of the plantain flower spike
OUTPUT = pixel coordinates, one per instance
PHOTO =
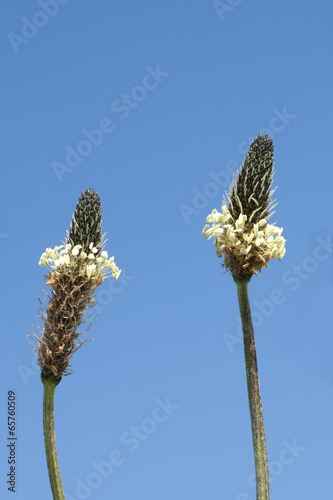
(241, 230)
(76, 269)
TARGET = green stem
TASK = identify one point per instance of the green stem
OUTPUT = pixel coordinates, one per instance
(257, 418)
(49, 436)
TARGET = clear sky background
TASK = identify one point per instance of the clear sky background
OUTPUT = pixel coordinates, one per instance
(178, 90)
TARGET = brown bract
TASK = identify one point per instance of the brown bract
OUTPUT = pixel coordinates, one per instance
(72, 295)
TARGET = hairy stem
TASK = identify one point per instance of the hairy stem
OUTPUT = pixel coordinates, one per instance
(49, 436)
(257, 418)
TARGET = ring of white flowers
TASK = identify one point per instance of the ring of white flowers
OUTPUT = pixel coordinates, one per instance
(66, 255)
(264, 235)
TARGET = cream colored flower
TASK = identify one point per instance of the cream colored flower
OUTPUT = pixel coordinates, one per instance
(66, 256)
(246, 248)
(241, 230)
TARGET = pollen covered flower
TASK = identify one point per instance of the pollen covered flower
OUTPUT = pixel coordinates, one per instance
(65, 257)
(76, 269)
(241, 231)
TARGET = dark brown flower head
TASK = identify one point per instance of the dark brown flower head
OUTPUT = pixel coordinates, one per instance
(77, 268)
(86, 225)
(251, 190)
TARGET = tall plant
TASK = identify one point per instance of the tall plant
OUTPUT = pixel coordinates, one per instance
(248, 242)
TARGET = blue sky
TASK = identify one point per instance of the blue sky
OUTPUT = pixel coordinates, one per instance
(153, 105)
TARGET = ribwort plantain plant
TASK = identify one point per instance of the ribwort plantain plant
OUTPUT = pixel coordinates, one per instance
(248, 242)
(76, 269)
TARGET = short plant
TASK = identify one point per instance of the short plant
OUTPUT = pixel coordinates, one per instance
(76, 269)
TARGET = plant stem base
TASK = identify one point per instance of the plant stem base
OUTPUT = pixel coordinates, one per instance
(49, 437)
(257, 418)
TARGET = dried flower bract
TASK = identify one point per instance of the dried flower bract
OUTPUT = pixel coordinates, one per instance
(77, 268)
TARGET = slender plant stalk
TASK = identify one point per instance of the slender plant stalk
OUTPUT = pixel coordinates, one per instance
(49, 436)
(257, 418)
(248, 243)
